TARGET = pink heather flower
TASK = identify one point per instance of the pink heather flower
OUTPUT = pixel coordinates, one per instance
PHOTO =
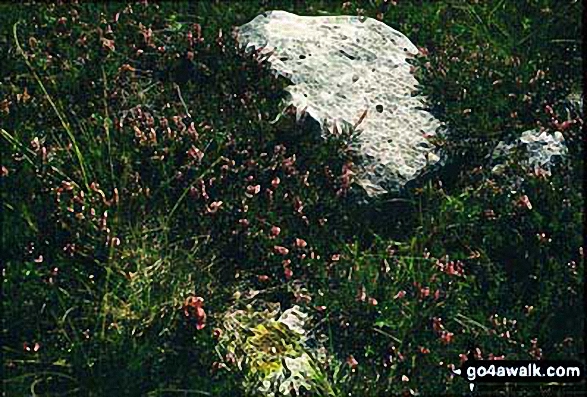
(437, 324)
(463, 357)
(281, 250)
(400, 295)
(451, 268)
(195, 153)
(263, 278)
(423, 51)
(193, 309)
(230, 358)
(213, 207)
(524, 201)
(424, 350)
(288, 273)
(301, 297)
(253, 189)
(108, 44)
(536, 353)
(275, 182)
(541, 173)
(373, 301)
(269, 193)
(424, 292)
(301, 243)
(346, 177)
(289, 164)
(201, 316)
(446, 337)
(298, 205)
(362, 294)
(405, 378)
(352, 362)
(275, 230)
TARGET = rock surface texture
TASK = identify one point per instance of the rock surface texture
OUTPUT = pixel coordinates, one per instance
(541, 150)
(348, 71)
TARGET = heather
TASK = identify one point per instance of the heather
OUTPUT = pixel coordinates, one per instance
(150, 197)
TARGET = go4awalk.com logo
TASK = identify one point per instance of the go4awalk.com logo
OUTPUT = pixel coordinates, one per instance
(522, 371)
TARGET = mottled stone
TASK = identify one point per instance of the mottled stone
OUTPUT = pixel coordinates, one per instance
(350, 73)
(540, 149)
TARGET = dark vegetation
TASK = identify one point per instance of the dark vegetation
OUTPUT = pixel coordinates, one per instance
(140, 166)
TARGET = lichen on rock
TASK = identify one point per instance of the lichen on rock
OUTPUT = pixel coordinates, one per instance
(271, 349)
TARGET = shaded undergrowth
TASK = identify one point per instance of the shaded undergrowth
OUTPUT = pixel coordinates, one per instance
(141, 167)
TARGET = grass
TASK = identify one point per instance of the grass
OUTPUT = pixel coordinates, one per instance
(134, 180)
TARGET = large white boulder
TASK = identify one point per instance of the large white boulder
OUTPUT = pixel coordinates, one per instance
(346, 69)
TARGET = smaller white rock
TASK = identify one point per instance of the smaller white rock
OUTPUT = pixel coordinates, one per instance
(541, 148)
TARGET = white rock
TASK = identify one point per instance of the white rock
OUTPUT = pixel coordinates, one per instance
(342, 66)
(540, 148)
(543, 147)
